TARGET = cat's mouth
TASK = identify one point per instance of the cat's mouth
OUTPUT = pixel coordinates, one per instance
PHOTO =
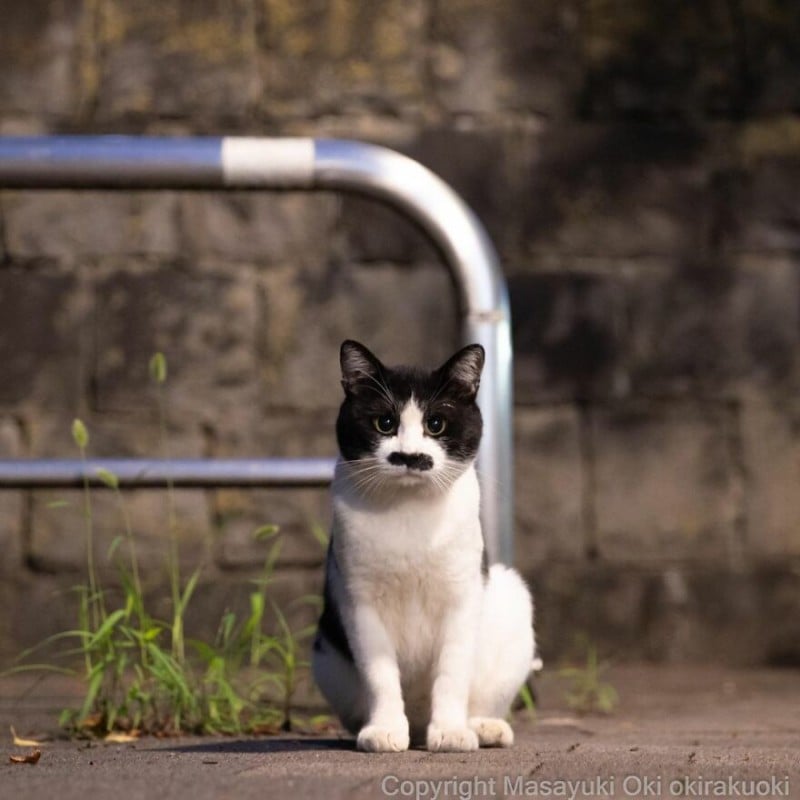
(411, 478)
(410, 469)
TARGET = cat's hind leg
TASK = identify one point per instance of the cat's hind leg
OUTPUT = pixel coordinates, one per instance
(503, 656)
(340, 683)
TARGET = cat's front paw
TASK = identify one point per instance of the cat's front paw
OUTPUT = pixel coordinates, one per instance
(451, 740)
(378, 739)
(492, 732)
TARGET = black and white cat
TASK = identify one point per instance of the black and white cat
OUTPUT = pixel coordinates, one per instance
(419, 640)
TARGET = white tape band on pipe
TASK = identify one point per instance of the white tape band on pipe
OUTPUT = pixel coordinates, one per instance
(267, 162)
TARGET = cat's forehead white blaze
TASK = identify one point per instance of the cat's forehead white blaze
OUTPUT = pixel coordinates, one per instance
(410, 436)
(410, 433)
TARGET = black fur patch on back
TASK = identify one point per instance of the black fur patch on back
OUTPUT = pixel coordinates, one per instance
(331, 627)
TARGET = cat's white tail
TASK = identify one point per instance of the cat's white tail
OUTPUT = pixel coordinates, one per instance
(506, 647)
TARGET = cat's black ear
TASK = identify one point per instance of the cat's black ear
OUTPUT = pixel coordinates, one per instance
(359, 366)
(463, 370)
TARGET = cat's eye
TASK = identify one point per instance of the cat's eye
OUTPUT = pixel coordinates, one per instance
(384, 424)
(435, 425)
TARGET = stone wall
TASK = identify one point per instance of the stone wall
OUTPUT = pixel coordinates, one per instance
(637, 164)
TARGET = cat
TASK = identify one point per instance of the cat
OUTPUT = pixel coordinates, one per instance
(420, 641)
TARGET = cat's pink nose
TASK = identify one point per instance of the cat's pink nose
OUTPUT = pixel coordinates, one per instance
(418, 461)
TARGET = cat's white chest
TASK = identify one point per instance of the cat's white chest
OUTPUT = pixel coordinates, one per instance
(433, 533)
(412, 560)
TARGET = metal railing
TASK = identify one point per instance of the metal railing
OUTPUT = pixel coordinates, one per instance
(130, 163)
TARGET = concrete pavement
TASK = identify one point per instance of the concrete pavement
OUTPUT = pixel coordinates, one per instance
(677, 732)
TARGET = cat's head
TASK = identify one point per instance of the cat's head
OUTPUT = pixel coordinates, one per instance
(407, 427)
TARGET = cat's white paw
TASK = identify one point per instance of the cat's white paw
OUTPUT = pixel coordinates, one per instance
(492, 732)
(377, 739)
(451, 740)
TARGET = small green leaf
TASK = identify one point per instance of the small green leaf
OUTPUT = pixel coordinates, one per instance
(80, 434)
(526, 696)
(158, 368)
(320, 534)
(107, 627)
(112, 548)
(256, 606)
(266, 532)
(272, 556)
(151, 634)
(188, 591)
(66, 718)
(108, 478)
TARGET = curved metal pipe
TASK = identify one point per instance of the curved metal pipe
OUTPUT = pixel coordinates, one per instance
(415, 190)
(120, 162)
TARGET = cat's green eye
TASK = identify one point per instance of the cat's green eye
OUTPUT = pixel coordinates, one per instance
(384, 424)
(435, 425)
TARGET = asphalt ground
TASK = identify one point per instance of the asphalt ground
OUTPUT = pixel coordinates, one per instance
(676, 732)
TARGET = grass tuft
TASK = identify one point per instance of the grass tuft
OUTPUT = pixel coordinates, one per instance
(589, 692)
(140, 672)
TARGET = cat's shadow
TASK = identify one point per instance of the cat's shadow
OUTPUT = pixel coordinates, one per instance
(264, 746)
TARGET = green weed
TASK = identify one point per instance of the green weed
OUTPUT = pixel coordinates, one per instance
(525, 700)
(588, 691)
(141, 673)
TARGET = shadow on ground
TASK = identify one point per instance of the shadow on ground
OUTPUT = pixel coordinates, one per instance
(264, 746)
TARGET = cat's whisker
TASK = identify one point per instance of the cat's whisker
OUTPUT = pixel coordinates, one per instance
(364, 464)
(368, 477)
(355, 467)
(362, 473)
(441, 481)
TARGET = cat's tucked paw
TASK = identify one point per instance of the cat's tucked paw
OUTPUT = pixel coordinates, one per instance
(377, 739)
(492, 732)
(451, 740)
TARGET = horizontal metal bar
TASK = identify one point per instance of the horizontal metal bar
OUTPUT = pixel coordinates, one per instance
(185, 473)
(157, 162)
(110, 162)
